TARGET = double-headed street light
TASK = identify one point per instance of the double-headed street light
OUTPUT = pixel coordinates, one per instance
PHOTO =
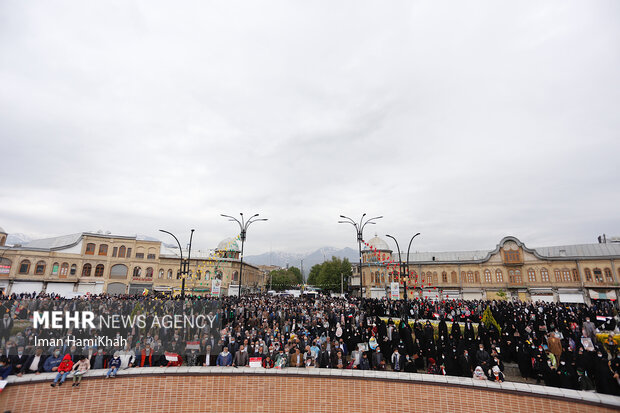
(403, 268)
(243, 225)
(183, 265)
(359, 230)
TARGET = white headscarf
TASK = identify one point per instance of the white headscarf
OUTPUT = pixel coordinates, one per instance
(479, 374)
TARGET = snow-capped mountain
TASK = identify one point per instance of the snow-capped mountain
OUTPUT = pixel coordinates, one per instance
(18, 239)
(281, 258)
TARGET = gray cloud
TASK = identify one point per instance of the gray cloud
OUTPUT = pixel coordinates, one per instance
(465, 121)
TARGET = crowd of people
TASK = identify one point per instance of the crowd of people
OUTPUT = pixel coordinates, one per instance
(551, 343)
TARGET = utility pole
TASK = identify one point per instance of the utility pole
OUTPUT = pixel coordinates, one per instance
(341, 283)
(303, 279)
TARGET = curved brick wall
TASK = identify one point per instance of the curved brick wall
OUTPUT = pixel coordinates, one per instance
(201, 389)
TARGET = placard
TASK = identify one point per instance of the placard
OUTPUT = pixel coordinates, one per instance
(256, 361)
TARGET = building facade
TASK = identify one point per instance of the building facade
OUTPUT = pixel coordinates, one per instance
(571, 273)
(102, 263)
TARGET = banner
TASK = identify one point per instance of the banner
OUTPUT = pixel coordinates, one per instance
(171, 356)
(215, 287)
(256, 362)
(192, 345)
(394, 291)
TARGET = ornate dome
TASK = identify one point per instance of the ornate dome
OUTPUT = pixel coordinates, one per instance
(378, 244)
(229, 244)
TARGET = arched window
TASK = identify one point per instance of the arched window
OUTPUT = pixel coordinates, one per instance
(531, 275)
(137, 272)
(511, 276)
(64, 269)
(453, 277)
(487, 276)
(103, 249)
(24, 267)
(470, 277)
(235, 276)
(86, 270)
(499, 276)
(518, 278)
(207, 275)
(121, 252)
(463, 278)
(99, 270)
(169, 274)
(128, 252)
(90, 249)
(55, 268)
(119, 271)
(476, 276)
(588, 275)
(576, 275)
(73, 269)
(114, 251)
(39, 269)
(544, 275)
(149, 272)
(566, 275)
(608, 277)
(198, 274)
(444, 277)
(161, 273)
(558, 276)
(598, 275)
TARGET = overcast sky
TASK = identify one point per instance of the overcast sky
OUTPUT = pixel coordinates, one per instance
(465, 121)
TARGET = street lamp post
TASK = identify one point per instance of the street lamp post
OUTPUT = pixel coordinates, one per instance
(243, 226)
(359, 230)
(403, 268)
(183, 265)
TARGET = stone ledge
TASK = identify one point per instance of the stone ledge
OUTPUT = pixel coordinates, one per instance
(516, 388)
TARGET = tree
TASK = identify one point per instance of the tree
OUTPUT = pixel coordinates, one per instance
(328, 275)
(284, 279)
(501, 294)
(297, 273)
(488, 320)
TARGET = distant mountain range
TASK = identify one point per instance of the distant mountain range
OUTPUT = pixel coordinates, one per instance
(281, 259)
(17, 239)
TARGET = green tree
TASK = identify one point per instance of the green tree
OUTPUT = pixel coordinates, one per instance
(313, 276)
(284, 279)
(488, 320)
(328, 275)
(297, 273)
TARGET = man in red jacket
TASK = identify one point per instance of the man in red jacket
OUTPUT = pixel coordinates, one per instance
(64, 368)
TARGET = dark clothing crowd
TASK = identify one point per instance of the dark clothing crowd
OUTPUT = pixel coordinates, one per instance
(551, 343)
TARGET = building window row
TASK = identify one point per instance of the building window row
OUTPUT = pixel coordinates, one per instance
(120, 252)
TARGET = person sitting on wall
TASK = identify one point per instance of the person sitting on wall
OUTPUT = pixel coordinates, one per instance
(5, 367)
(64, 368)
(79, 369)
